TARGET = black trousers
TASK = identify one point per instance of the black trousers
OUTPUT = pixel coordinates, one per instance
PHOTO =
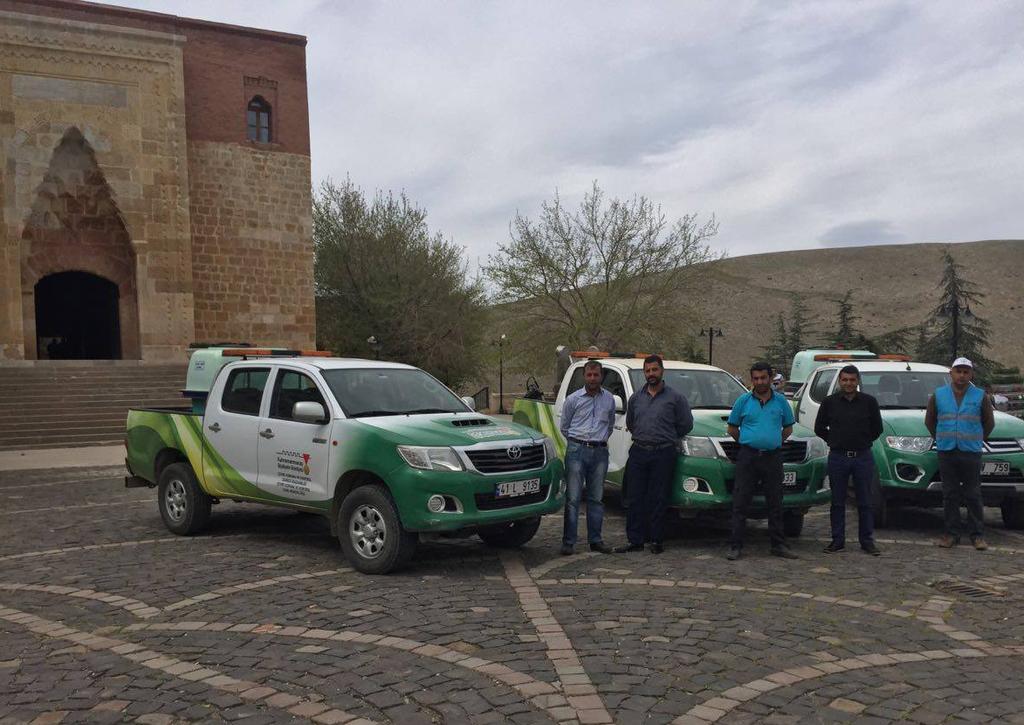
(649, 477)
(753, 468)
(961, 484)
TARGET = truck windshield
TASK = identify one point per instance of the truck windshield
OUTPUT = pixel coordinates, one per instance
(901, 388)
(364, 392)
(701, 388)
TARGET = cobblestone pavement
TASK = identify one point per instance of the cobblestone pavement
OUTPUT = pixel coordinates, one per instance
(106, 617)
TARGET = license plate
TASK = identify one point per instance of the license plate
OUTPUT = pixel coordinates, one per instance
(995, 468)
(788, 478)
(511, 489)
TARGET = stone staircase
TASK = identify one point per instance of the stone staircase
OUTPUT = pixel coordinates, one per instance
(61, 404)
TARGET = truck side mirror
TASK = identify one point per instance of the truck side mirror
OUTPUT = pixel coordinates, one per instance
(307, 411)
(469, 401)
(620, 407)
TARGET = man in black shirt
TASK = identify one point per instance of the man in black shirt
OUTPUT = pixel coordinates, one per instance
(850, 421)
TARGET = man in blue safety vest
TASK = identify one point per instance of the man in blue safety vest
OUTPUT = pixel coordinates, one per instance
(960, 418)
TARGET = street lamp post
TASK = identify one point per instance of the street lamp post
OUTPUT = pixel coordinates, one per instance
(501, 373)
(711, 333)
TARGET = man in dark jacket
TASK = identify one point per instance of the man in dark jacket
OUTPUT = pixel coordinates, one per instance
(850, 421)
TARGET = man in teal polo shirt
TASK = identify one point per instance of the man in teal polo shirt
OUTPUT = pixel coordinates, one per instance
(760, 422)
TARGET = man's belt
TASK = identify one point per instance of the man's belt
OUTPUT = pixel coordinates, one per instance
(849, 453)
(761, 451)
(652, 446)
(590, 444)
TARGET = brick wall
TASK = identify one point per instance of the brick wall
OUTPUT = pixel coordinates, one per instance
(252, 255)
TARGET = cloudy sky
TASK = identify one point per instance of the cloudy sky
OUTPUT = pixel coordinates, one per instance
(798, 125)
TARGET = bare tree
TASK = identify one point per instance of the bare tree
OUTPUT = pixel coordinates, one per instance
(612, 274)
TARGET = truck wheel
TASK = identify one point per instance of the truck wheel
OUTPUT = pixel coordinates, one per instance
(1013, 513)
(792, 523)
(371, 533)
(510, 534)
(184, 505)
(880, 511)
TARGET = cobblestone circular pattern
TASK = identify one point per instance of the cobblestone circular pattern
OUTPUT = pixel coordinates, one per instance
(105, 617)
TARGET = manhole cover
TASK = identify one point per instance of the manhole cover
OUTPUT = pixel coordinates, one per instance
(963, 588)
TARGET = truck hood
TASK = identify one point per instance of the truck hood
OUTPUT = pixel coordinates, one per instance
(713, 423)
(911, 423)
(446, 429)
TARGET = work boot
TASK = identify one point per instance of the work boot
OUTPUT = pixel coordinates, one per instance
(601, 547)
(871, 549)
(657, 548)
(629, 548)
(947, 541)
(784, 552)
(735, 552)
(834, 548)
(979, 543)
(566, 550)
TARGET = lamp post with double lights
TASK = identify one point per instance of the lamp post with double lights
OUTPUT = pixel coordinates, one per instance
(711, 332)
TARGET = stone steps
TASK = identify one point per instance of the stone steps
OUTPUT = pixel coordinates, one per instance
(59, 405)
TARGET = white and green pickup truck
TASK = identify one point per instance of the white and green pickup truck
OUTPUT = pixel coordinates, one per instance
(383, 450)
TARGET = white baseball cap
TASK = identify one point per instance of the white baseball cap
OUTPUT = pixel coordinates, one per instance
(778, 377)
(962, 362)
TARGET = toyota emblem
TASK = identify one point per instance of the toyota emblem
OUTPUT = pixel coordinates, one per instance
(514, 452)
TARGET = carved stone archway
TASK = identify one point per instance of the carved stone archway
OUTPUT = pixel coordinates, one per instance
(75, 225)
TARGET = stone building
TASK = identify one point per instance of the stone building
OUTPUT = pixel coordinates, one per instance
(154, 184)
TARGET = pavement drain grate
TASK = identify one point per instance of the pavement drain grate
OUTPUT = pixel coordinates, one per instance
(966, 589)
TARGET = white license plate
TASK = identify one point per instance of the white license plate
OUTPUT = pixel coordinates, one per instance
(510, 489)
(788, 478)
(995, 468)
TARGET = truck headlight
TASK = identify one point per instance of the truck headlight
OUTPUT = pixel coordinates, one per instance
(699, 447)
(550, 451)
(816, 448)
(430, 459)
(912, 444)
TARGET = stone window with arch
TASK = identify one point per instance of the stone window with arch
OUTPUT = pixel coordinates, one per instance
(258, 120)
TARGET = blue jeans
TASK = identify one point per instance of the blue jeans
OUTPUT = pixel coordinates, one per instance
(862, 468)
(584, 467)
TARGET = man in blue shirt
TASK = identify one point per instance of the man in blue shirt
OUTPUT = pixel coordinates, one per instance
(760, 422)
(657, 417)
(588, 416)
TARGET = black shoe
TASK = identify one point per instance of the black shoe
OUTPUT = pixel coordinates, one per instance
(601, 547)
(566, 550)
(657, 548)
(784, 552)
(834, 548)
(735, 553)
(628, 548)
(871, 549)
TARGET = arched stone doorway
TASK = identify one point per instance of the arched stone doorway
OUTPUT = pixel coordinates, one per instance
(77, 317)
(75, 248)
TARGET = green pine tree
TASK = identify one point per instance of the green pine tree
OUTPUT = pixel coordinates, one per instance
(953, 328)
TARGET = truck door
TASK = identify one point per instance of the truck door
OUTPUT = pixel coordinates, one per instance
(815, 391)
(230, 427)
(292, 453)
(618, 444)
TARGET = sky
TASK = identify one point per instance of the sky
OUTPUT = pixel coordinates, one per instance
(797, 125)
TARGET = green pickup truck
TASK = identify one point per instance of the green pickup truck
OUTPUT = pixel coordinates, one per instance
(704, 474)
(383, 450)
(906, 462)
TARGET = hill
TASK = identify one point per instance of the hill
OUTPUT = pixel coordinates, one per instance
(894, 286)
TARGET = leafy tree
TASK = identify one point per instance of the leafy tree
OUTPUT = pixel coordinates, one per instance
(846, 335)
(381, 273)
(611, 273)
(692, 351)
(953, 329)
(776, 352)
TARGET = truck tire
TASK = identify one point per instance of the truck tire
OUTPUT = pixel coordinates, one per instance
(880, 509)
(792, 523)
(1013, 513)
(184, 505)
(511, 534)
(370, 532)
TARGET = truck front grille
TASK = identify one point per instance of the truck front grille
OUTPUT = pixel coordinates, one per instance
(507, 459)
(487, 501)
(792, 451)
